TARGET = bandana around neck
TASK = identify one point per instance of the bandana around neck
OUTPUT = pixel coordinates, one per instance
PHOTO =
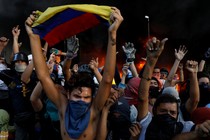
(77, 118)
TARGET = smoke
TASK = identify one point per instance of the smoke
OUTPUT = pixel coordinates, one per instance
(11, 9)
(182, 21)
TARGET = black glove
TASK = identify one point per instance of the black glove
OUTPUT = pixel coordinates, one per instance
(72, 47)
(129, 52)
(206, 55)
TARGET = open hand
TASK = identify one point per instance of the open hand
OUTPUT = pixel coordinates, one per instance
(181, 52)
(72, 47)
(129, 51)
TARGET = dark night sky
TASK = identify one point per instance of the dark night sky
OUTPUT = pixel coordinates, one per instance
(182, 21)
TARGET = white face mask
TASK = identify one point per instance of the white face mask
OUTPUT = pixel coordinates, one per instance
(2, 67)
(20, 67)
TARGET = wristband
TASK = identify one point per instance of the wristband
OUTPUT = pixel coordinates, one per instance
(121, 85)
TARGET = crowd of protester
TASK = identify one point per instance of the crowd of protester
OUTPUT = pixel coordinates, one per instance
(44, 97)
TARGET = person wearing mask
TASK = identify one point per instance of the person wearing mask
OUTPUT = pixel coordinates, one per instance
(163, 124)
(20, 86)
(79, 113)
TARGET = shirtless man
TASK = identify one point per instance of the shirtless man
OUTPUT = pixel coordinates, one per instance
(81, 94)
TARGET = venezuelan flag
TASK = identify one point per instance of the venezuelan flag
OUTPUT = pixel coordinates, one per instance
(60, 22)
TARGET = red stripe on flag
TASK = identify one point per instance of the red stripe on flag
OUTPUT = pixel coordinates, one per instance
(71, 27)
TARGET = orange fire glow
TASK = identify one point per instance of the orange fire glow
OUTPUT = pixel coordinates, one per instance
(140, 65)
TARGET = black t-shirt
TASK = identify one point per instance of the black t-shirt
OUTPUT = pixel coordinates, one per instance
(19, 93)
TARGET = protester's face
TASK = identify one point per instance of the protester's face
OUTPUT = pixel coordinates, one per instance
(163, 75)
(168, 108)
(156, 73)
(20, 66)
(115, 92)
(75, 68)
(203, 80)
(3, 41)
(153, 83)
(81, 94)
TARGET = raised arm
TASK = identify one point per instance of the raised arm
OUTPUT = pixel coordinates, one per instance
(181, 72)
(25, 76)
(205, 57)
(110, 62)
(201, 65)
(130, 51)
(134, 70)
(102, 127)
(35, 98)
(192, 102)
(94, 66)
(178, 57)
(15, 33)
(154, 48)
(72, 49)
(41, 68)
(124, 73)
(45, 48)
(66, 69)
(16, 45)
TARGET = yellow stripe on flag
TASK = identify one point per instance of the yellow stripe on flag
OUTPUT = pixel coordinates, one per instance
(102, 11)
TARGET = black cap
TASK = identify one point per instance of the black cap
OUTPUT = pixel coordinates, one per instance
(20, 56)
(85, 68)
